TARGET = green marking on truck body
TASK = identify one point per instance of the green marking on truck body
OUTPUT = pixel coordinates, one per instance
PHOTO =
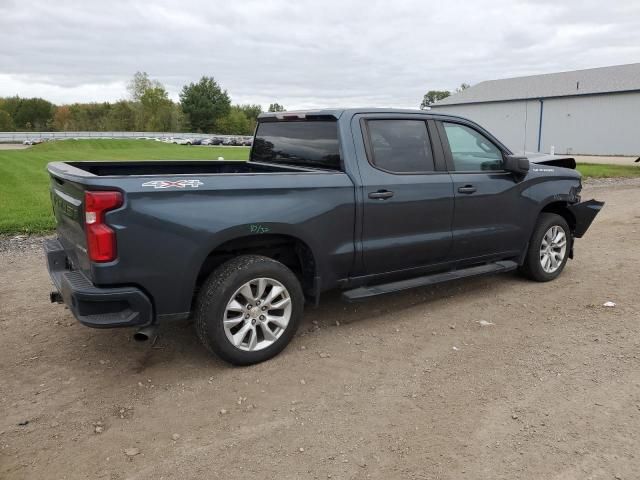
(257, 228)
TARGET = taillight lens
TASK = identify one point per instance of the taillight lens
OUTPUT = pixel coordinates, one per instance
(101, 239)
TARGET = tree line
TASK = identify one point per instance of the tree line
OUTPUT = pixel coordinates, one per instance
(204, 107)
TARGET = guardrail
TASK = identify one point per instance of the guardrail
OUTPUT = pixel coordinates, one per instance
(19, 137)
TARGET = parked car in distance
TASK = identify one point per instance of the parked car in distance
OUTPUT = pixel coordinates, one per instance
(182, 141)
(232, 141)
(247, 142)
(368, 201)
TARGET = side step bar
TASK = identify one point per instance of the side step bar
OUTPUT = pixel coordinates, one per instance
(362, 293)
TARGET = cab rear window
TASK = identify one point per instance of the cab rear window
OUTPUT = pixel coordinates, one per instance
(309, 143)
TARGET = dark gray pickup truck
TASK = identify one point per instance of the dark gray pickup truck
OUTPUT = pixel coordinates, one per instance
(365, 200)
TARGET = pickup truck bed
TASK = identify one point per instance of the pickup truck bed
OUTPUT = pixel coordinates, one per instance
(202, 201)
(149, 167)
(368, 201)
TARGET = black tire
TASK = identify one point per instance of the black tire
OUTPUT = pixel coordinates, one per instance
(217, 292)
(532, 267)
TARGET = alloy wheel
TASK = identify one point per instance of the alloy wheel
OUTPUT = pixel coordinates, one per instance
(257, 314)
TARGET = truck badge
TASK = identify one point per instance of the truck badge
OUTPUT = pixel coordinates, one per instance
(168, 184)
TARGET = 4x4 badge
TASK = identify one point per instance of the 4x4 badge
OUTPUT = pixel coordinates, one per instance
(170, 184)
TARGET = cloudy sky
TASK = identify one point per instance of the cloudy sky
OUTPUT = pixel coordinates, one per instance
(303, 53)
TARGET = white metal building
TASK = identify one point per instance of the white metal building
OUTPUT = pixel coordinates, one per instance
(590, 112)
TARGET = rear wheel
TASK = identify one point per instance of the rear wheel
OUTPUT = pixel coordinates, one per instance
(249, 309)
(548, 249)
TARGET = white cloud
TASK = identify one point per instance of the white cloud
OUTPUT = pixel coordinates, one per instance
(304, 53)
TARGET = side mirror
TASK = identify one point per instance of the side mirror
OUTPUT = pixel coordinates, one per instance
(515, 164)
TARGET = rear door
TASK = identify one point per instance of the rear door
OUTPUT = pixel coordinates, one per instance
(408, 194)
(487, 219)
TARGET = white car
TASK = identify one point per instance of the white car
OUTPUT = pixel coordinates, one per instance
(33, 141)
(181, 141)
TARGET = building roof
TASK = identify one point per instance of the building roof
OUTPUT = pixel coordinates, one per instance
(619, 78)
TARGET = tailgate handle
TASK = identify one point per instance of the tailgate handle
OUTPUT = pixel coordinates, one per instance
(381, 195)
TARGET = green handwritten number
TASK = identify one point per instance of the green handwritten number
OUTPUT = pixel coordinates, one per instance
(257, 228)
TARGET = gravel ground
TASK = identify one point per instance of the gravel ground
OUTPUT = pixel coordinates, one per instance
(13, 146)
(490, 378)
(21, 244)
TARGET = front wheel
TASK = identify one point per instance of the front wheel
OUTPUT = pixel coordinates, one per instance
(249, 309)
(548, 249)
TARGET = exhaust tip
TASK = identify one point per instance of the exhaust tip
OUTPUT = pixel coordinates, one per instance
(140, 337)
(56, 297)
(144, 334)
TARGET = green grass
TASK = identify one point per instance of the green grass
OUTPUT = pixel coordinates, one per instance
(598, 170)
(25, 206)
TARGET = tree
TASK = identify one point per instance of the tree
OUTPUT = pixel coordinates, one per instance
(252, 112)
(463, 86)
(122, 116)
(157, 109)
(29, 113)
(276, 107)
(6, 122)
(139, 84)
(89, 116)
(204, 104)
(433, 96)
(235, 122)
(62, 118)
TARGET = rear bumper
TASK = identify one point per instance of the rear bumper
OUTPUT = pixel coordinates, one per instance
(93, 306)
(584, 214)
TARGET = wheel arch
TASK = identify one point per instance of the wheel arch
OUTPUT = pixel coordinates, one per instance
(560, 208)
(291, 251)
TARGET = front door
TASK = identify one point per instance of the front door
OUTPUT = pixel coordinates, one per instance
(488, 207)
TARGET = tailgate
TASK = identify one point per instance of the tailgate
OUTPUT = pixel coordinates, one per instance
(67, 199)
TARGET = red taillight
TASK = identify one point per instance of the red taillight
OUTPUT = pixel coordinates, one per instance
(101, 239)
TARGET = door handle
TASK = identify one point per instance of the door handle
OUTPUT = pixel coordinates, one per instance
(381, 195)
(467, 189)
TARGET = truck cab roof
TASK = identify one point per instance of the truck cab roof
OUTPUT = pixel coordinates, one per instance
(338, 112)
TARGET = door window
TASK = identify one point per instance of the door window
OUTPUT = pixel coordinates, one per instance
(400, 146)
(471, 151)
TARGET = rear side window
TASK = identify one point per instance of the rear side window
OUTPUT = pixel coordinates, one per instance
(400, 146)
(311, 143)
(470, 150)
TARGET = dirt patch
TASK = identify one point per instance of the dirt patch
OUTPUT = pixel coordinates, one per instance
(407, 386)
(13, 146)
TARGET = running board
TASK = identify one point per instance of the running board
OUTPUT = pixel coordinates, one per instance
(362, 293)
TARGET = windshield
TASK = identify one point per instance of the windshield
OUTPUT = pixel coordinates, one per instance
(306, 143)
